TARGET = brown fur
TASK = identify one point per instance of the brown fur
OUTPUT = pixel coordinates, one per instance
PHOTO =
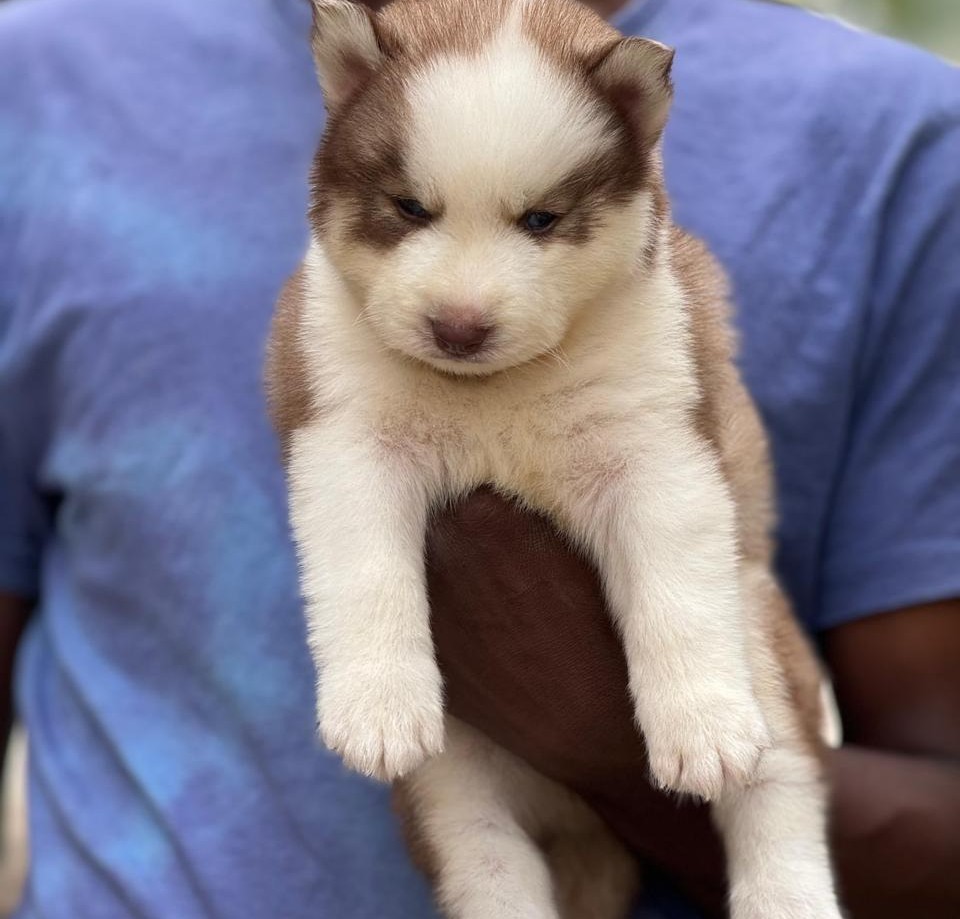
(425, 30)
(573, 36)
(359, 161)
(288, 390)
(800, 671)
(729, 422)
(579, 42)
(405, 807)
(360, 164)
(609, 180)
(594, 875)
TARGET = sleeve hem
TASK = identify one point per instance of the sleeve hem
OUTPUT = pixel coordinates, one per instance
(926, 572)
(17, 578)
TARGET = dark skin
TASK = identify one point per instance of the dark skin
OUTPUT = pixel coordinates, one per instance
(14, 614)
(529, 657)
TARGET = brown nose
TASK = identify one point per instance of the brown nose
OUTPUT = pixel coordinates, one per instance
(459, 339)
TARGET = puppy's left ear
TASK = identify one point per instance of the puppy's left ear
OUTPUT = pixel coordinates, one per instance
(634, 74)
(346, 46)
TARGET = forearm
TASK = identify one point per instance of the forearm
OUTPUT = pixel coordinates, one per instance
(895, 828)
(897, 834)
(548, 682)
(14, 613)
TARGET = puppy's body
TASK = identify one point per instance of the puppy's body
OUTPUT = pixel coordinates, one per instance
(588, 370)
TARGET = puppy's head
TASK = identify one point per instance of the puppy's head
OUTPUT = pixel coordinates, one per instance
(488, 171)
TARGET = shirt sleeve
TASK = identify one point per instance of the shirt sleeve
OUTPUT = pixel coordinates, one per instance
(21, 505)
(893, 538)
(22, 516)
(20, 528)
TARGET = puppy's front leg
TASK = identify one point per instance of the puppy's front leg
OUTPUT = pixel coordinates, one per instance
(664, 534)
(359, 513)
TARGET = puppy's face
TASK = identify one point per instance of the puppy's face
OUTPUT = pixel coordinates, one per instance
(488, 170)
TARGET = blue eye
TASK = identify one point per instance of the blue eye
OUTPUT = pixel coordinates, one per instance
(538, 221)
(413, 209)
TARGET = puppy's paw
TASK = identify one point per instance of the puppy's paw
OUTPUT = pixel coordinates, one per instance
(804, 911)
(383, 721)
(788, 902)
(701, 745)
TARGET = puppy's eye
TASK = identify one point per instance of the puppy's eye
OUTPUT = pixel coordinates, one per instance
(538, 222)
(413, 210)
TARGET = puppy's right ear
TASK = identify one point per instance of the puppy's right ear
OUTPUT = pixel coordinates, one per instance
(346, 48)
(634, 74)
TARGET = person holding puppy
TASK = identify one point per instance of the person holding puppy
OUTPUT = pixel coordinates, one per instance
(153, 167)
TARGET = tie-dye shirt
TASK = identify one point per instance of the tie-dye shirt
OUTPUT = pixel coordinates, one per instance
(153, 163)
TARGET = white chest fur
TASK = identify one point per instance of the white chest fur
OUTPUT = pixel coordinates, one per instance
(559, 427)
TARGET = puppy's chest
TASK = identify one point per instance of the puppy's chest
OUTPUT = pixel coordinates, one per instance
(538, 442)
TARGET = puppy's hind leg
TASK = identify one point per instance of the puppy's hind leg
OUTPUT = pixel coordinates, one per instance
(464, 815)
(775, 838)
(593, 874)
(488, 829)
(775, 828)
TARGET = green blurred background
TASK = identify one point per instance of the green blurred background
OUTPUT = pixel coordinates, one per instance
(932, 23)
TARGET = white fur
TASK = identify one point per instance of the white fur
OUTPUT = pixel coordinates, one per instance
(641, 471)
(582, 409)
(774, 836)
(676, 599)
(360, 523)
(490, 135)
(14, 847)
(345, 43)
(831, 729)
(482, 812)
(514, 126)
(484, 838)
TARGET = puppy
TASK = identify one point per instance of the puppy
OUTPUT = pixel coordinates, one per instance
(495, 293)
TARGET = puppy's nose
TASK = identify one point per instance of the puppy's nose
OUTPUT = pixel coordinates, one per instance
(459, 338)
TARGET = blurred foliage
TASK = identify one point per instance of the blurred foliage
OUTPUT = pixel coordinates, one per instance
(933, 23)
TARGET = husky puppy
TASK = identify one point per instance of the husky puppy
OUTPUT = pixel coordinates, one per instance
(495, 293)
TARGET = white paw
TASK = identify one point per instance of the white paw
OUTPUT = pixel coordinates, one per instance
(789, 903)
(701, 744)
(382, 721)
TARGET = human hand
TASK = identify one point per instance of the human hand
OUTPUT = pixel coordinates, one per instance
(530, 657)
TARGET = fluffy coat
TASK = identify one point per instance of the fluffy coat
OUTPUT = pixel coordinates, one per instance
(436, 338)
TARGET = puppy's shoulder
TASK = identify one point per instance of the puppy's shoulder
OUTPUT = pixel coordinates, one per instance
(707, 295)
(286, 374)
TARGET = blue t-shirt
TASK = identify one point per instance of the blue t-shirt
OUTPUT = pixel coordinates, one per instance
(153, 175)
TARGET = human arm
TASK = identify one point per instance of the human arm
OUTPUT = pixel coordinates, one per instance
(14, 613)
(548, 682)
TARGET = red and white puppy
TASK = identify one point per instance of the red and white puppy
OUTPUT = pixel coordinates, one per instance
(495, 293)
